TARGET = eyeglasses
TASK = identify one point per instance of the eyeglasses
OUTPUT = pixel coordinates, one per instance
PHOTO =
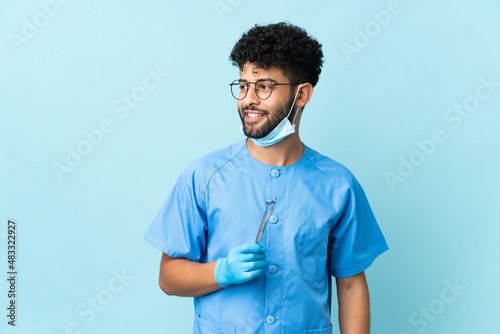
(263, 88)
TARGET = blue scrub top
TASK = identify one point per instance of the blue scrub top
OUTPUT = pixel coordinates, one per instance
(321, 225)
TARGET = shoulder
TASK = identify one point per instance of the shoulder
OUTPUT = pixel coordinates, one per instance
(211, 162)
(334, 172)
(203, 168)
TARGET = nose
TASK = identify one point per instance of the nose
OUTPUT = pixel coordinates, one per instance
(251, 98)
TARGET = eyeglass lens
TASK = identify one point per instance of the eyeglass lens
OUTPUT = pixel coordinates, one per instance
(263, 89)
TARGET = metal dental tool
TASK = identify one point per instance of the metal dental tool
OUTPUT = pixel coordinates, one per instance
(262, 229)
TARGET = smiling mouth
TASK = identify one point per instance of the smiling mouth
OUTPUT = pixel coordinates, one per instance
(251, 116)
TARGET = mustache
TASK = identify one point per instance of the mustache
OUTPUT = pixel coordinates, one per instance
(244, 109)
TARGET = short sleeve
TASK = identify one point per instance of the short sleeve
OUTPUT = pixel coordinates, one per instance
(356, 239)
(179, 228)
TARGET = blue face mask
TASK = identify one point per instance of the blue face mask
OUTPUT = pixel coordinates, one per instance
(281, 131)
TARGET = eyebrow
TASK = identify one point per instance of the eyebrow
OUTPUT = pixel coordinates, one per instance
(272, 80)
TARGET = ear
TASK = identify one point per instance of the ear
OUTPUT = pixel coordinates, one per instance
(305, 93)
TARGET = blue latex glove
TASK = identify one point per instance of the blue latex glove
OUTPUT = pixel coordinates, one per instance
(242, 264)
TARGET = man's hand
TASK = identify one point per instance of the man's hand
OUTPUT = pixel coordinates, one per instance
(242, 264)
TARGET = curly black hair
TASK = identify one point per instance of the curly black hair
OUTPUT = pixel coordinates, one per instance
(284, 46)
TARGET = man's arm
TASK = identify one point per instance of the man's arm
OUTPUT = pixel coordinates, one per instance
(354, 304)
(186, 278)
(181, 277)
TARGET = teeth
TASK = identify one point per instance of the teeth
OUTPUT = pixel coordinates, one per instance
(253, 115)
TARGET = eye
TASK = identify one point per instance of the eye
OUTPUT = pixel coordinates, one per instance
(264, 86)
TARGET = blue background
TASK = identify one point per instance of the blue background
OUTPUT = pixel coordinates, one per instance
(78, 231)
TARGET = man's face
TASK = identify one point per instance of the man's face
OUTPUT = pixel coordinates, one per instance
(260, 117)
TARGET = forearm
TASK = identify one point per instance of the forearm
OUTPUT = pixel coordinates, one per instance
(354, 307)
(186, 278)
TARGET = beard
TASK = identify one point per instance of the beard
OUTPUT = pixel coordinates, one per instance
(273, 118)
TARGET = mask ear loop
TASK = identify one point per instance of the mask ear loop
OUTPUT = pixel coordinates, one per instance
(296, 94)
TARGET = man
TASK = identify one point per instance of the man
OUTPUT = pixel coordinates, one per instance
(321, 223)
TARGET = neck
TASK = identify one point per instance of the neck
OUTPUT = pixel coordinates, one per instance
(285, 153)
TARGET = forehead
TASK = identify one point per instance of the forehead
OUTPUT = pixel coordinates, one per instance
(251, 71)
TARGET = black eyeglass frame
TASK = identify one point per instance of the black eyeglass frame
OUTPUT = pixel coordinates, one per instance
(238, 82)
